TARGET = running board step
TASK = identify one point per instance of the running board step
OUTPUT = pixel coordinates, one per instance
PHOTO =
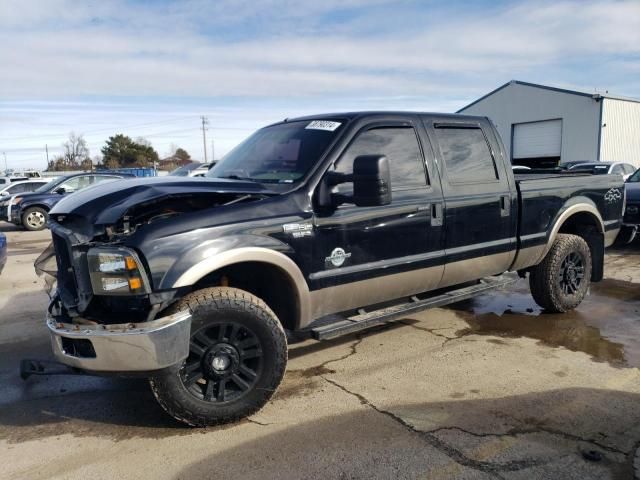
(344, 325)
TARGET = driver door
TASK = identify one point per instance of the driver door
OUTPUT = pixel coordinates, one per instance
(366, 255)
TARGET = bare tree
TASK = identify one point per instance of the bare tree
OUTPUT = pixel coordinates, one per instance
(76, 151)
(143, 141)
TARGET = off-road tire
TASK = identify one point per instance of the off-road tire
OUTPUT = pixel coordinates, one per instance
(34, 211)
(544, 279)
(212, 307)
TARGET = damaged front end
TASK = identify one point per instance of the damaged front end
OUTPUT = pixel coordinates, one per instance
(104, 314)
(125, 338)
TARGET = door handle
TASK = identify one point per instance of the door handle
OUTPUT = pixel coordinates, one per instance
(436, 214)
(505, 205)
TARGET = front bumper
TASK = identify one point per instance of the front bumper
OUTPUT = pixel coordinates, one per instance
(14, 214)
(122, 348)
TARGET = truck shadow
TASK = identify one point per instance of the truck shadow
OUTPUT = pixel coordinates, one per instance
(480, 433)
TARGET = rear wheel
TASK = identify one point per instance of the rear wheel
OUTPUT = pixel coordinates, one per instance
(35, 218)
(560, 282)
(237, 358)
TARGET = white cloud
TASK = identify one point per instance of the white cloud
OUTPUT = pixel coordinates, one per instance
(342, 53)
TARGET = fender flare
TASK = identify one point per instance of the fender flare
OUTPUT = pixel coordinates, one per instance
(252, 254)
(566, 212)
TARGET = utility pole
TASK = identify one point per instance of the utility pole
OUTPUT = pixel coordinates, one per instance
(205, 122)
(46, 147)
(213, 151)
(6, 168)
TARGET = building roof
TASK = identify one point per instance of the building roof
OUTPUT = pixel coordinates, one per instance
(594, 95)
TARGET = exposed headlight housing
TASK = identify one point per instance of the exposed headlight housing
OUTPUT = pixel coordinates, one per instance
(116, 271)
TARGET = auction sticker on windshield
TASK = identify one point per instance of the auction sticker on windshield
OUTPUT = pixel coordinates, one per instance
(323, 125)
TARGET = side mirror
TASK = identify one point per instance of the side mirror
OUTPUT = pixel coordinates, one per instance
(371, 181)
(60, 191)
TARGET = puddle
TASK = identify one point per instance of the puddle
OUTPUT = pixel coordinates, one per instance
(605, 326)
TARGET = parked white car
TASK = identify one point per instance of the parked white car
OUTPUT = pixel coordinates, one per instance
(193, 169)
(22, 186)
(10, 190)
(602, 168)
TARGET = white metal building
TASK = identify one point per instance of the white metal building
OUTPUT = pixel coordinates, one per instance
(543, 125)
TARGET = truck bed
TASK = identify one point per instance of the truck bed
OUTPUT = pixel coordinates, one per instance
(543, 198)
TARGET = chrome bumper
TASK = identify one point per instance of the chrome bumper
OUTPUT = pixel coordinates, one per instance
(130, 347)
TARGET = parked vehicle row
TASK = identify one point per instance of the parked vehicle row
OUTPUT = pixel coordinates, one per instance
(30, 209)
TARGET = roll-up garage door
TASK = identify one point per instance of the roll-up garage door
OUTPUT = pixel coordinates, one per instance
(537, 139)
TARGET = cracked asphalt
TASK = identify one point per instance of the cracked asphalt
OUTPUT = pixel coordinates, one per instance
(489, 388)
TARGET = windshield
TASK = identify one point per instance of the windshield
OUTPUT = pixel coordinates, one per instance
(184, 171)
(282, 153)
(48, 186)
(635, 178)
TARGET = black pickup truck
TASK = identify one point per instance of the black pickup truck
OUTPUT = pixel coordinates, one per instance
(312, 227)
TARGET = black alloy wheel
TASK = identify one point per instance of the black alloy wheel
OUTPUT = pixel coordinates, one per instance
(224, 363)
(237, 358)
(571, 273)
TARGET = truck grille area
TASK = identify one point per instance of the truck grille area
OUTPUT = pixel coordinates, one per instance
(67, 287)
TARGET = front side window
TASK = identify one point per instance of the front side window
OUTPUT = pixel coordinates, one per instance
(76, 183)
(33, 186)
(466, 155)
(399, 145)
(282, 153)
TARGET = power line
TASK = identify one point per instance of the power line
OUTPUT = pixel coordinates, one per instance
(106, 129)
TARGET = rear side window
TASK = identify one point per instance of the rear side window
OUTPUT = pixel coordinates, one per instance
(33, 186)
(104, 178)
(17, 188)
(399, 145)
(466, 155)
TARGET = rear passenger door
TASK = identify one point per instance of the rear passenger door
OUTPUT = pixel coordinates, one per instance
(373, 254)
(480, 229)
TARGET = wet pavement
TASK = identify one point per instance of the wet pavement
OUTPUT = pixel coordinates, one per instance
(605, 326)
(489, 388)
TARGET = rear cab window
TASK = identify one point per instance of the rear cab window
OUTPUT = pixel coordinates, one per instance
(466, 154)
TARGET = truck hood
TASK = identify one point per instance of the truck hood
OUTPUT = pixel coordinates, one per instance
(633, 191)
(109, 202)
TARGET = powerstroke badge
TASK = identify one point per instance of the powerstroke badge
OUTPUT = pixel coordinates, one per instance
(298, 230)
(337, 257)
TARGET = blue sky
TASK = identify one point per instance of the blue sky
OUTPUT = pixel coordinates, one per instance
(150, 69)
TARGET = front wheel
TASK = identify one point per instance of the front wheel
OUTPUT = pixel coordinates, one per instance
(560, 282)
(35, 218)
(237, 358)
